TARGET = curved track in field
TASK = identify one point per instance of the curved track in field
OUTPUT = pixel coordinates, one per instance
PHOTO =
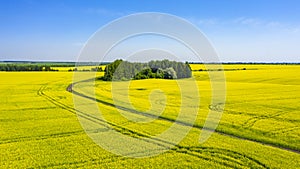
(212, 107)
(221, 156)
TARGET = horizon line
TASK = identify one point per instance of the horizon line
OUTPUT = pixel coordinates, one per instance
(190, 62)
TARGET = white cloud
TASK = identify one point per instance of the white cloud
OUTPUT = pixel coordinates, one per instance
(208, 21)
(252, 39)
(267, 25)
(249, 21)
(295, 30)
(274, 24)
(246, 23)
(204, 21)
(104, 12)
(78, 44)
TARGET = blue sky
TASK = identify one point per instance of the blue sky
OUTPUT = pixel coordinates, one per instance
(250, 31)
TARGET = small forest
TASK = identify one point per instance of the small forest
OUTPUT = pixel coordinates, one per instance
(158, 69)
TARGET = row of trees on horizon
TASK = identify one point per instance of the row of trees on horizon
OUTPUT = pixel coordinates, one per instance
(15, 67)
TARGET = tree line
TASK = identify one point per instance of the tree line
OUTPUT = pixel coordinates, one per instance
(95, 69)
(36, 67)
(160, 69)
(15, 67)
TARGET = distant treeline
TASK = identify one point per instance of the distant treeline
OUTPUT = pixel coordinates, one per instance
(16, 67)
(53, 64)
(24, 67)
(95, 69)
(211, 70)
(165, 69)
(249, 63)
(47, 66)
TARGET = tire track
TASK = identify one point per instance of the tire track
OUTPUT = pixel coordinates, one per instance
(225, 157)
(285, 130)
(85, 115)
(251, 122)
(255, 115)
(213, 107)
(33, 108)
(178, 149)
(81, 163)
(40, 137)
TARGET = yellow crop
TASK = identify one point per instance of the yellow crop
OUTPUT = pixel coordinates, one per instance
(259, 128)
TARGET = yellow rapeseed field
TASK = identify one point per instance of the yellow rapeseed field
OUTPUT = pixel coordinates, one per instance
(259, 128)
